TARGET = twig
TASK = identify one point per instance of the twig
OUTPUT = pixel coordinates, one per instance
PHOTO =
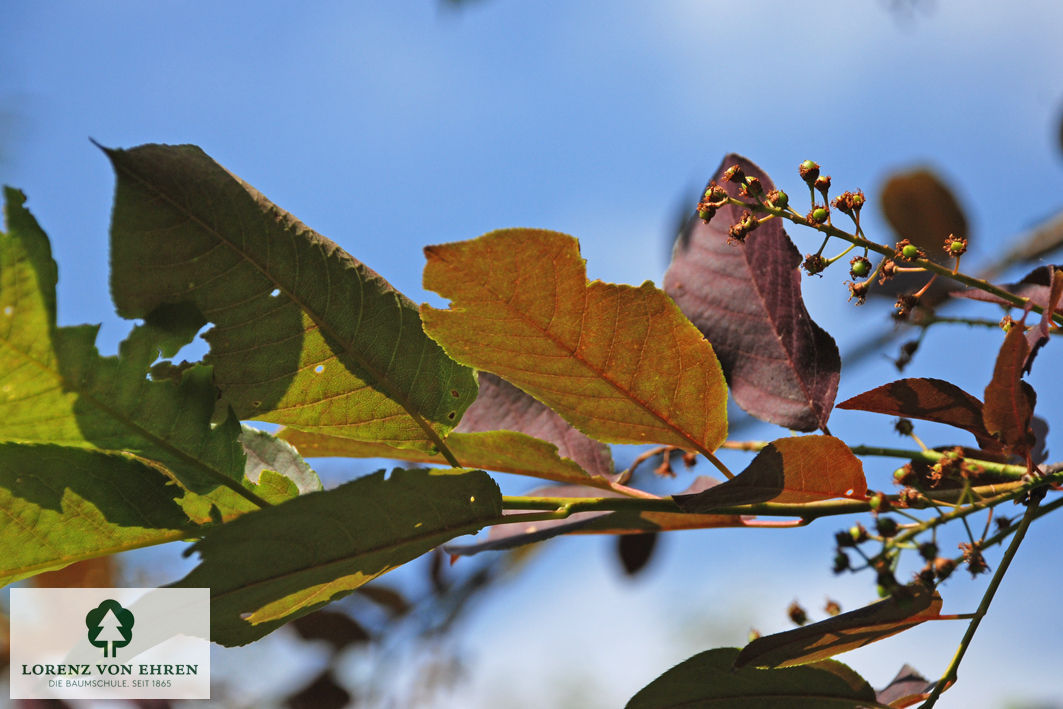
(951, 673)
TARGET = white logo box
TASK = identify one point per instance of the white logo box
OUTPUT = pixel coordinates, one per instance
(146, 643)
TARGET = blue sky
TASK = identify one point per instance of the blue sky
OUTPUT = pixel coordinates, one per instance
(389, 126)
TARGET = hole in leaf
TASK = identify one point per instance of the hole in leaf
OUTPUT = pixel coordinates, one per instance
(275, 292)
(8, 310)
(849, 492)
(472, 498)
(256, 404)
(319, 369)
(451, 415)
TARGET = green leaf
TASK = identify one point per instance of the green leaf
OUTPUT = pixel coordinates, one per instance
(268, 453)
(709, 680)
(273, 565)
(60, 504)
(305, 335)
(620, 363)
(504, 430)
(55, 387)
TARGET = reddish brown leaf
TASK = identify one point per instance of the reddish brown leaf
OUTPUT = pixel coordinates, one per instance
(1037, 336)
(928, 400)
(337, 629)
(324, 692)
(502, 406)
(798, 469)
(635, 551)
(1009, 401)
(100, 572)
(843, 632)
(920, 207)
(907, 689)
(1035, 285)
(746, 298)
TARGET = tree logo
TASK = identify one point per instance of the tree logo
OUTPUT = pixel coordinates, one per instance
(109, 624)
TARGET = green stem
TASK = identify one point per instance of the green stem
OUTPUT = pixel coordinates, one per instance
(718, 463)
(961, 513)
(951, 673)
(842, 255)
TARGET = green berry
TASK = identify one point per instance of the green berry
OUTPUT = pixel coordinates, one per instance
(779, 199)
(910, 251)
(859, 267)
(819, 215)
(809, 170)
(857, 533)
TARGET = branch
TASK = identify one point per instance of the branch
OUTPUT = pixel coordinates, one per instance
(951, 673)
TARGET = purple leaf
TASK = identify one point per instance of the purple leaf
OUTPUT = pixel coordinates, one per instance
(929, 400)
(502, 406)
(1035, 285)
(746, 299)
(1037, 336)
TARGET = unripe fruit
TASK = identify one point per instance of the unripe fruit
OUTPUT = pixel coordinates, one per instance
(857, 533)
(819, 215)
(910, 251)
(809, 170)
(886, 526)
